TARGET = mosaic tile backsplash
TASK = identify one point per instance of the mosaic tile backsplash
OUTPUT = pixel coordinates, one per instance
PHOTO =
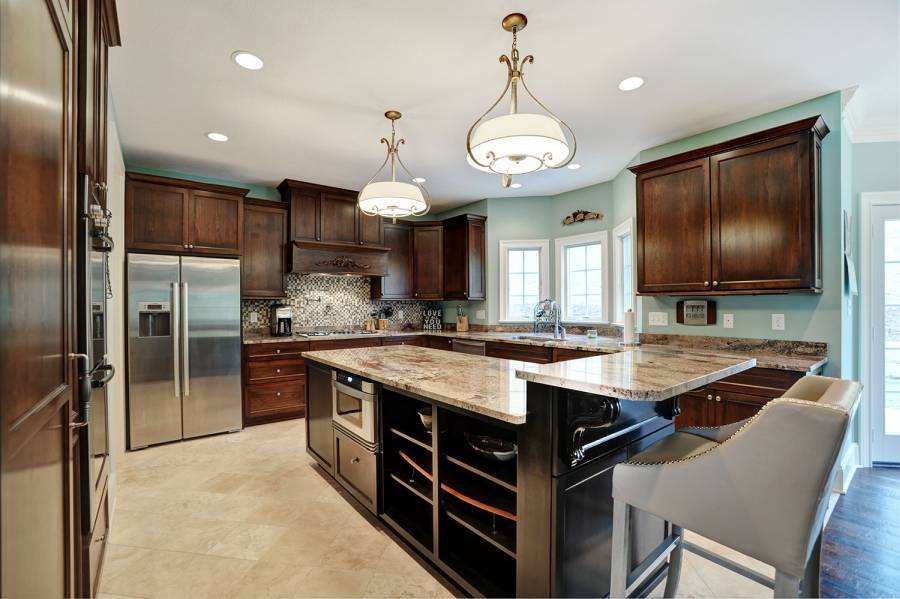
(334, 301)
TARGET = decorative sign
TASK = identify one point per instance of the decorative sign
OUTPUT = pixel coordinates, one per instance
(580, 216)
(695, 312)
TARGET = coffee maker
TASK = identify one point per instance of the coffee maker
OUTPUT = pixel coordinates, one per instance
(280, 324)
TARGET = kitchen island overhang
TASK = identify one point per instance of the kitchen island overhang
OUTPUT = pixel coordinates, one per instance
(540, 523)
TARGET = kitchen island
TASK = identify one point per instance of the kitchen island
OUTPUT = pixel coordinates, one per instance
(508, 493)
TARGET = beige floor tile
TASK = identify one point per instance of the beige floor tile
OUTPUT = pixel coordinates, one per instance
(302, 546)
(327, 582)
(270, 580)
(173, 533)
(248, 541)
(383, 584)
(358, 549)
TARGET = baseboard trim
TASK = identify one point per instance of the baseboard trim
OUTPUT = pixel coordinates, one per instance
(849, 464)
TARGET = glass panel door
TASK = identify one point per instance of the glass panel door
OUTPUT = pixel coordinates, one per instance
(886, 334)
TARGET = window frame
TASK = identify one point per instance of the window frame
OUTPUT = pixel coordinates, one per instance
(543, 246)
(625, 228)
(561, 243)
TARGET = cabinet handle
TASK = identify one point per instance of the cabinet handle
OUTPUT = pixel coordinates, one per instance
(354, 461)
(706, 283)
(709, 398)
(718, 398)
(715, 283)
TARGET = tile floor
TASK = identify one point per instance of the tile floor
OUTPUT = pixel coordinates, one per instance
(247, 515)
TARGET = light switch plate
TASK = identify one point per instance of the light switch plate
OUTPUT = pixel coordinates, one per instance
(778, 322)
(479, 314)
(254, 317)
(659, 319)
(728, 321)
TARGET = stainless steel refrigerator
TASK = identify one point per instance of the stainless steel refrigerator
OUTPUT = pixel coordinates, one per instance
(184, 353)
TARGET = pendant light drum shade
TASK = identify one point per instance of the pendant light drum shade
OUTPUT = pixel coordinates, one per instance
(392, 199)
(519, 143)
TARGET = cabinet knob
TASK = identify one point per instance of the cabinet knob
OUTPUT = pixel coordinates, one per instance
(277, 371)
(277, 351)
(354, 461)
(715, 283)
(415, 295)
(709, 398)
(465, 294)
(706, 283)
(278, 394)
(718, 398)
(100, 186)
(360, 243)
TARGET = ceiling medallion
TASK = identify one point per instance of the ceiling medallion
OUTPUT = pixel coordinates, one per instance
(518, 142)
(393, 199)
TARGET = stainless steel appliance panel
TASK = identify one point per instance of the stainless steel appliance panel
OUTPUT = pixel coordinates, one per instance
(464, 346)
(211, 334)
(154, 395)
(353, 406)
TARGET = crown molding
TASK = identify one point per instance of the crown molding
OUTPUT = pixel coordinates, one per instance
(863, 130)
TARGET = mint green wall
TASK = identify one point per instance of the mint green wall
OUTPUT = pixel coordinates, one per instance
(256, 191)
(807, 317)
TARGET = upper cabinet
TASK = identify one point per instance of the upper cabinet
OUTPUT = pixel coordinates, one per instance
(428, 261)
(743, 216)
(329, 215)
(185, 217)
(263, 264)
(398, 284)
(464, 257)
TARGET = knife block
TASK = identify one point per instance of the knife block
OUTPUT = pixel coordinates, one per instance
(462, 324)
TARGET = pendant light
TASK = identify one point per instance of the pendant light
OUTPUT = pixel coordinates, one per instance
(518, 143)
(393, 199)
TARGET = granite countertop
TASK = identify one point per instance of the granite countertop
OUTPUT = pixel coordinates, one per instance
(495, 387)
(764, 359)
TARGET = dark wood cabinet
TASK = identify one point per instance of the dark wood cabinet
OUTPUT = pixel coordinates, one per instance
(464, 257)
(734, 398)
(562, 354)
(338, 213)
(329, 215)
(398, 284)
(370, 229)
(418, 340)
(264, 259)
(428, 261)
(439, 342)
(274, 380)
(184, 217)
(519, 351)
(742, 216)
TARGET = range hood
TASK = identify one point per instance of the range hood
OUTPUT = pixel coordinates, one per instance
(316, 257)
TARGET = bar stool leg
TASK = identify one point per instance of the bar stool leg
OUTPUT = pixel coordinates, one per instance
(810, 584)
(674, 574)
(786, 585)
(621, 549)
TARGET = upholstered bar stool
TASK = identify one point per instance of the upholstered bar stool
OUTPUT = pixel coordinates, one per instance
(760, 487)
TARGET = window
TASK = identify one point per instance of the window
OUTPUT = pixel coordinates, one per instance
(581, 277)
(524, 274)
(623, 250)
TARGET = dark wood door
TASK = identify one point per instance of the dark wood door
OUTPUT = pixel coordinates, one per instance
(370, 229)
(733, 407)
(216, 220)
(762, 216)
(338, 218)
(304, 217)
(263, 262)
(428, 261)
(156, 216)
(695, 409)
(475, 248)
(464, 255)
(37, 179)
(398, 284)
(319, 432)
(673, 228)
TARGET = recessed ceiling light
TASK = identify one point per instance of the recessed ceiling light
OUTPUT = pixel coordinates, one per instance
(516, 185)
(418, 179)
(247, 60)
(214, 136)
(631, 83)
(574, 166)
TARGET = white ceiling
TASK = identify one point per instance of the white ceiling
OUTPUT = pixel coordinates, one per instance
(332, 68)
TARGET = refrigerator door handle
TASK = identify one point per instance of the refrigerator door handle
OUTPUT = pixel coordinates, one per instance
(176, 339)
(185, 339)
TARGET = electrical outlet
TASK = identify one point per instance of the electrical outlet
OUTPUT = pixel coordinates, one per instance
(480, 315)
(778, 322)
(728, 321)
(660, 319)
(254, 318)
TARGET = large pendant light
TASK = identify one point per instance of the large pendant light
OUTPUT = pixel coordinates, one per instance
(393, 199)
(518, 142)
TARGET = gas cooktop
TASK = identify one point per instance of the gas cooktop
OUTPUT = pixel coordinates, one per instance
(327, 333)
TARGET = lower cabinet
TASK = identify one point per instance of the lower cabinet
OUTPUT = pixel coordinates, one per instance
(519, 351)
(438, 342)
(418, 340)
(274, 381)
(734, 398)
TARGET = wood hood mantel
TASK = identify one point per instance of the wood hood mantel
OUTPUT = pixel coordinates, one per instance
(310, 257)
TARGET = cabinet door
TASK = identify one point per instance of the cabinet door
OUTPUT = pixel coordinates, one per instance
(763, 216)
(695, 409)
(263, 261)
(338, 218)
(734, 407)
(370, 229)
(464, 258)
(156, 217)
(215, 223)
(304, 218)
(319, 432)
(673, 228)
(398, 284)
(476, 257)
(519, 351)
(428, 270)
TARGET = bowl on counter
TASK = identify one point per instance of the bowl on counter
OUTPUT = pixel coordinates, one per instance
(492, 448)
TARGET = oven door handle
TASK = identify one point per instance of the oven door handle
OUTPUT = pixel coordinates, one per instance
(360, 395)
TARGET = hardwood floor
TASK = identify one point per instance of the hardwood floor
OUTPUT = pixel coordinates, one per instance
(861, 549)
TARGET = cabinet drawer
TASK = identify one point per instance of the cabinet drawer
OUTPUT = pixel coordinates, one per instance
(276, 350)
(445, 343)
(273, 369)
(343, 344)
(562, 354)
(525, 353)
(356, 469)
(408, 340)
(98, 543)
(762, 382)
(270, 399)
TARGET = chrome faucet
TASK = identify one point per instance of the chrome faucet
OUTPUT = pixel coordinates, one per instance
(545, 310)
